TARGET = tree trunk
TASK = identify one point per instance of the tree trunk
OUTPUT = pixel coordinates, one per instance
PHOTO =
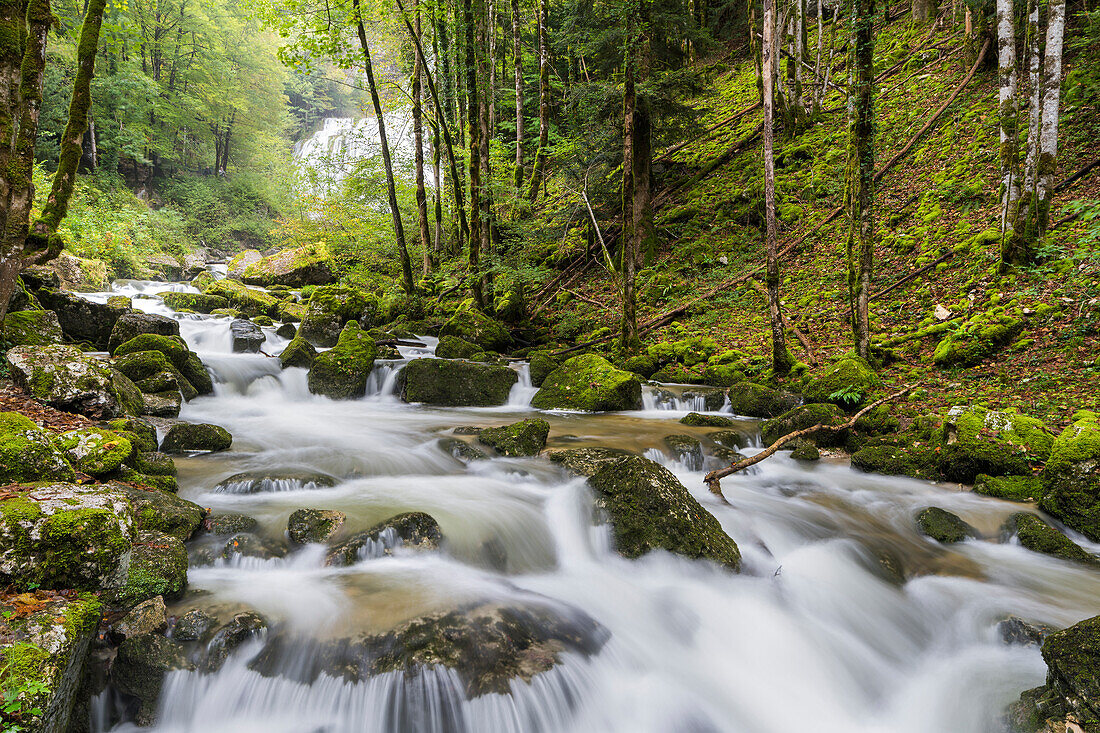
(861, 169)
(1048, 127)
(491, 89)
(482, 28)
(517, 61)
(544, 103)
(628, 329)
(474, 163)
(418, 145)
(923, 11)
(391, 191)
(1009, 114)
(781, 358)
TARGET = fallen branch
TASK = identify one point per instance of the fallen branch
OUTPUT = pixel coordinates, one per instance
(933, 330)
(400, 342)
(713, 480)
(705, 133)
(917, 273)
(1077, 176)
(807, 346)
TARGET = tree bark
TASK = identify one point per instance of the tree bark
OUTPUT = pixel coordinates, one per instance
(474, 164)
(1048, 127)
(628, 327)
(517, 61)
(861, 169)
(418, 154)
(1008, 112)
(485, 65)
(544, 103)
(491, 88)
(391, 190)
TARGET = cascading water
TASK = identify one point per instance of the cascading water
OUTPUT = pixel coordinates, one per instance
(813, 635)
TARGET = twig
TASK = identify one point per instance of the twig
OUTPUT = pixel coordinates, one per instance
(713, 480)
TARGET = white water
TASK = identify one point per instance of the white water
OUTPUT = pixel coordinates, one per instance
(809, 637)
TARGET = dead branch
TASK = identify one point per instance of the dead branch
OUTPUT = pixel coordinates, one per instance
(705, 133)
(1077, 176)
(917, 273)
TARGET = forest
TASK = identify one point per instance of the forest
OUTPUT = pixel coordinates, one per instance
(550, 365)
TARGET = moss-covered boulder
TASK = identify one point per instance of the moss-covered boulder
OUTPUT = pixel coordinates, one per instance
(308, 265)
(525, 438)
(238, 263)
(131, 325)
(314, 525)
(943, 526)
(142, 434)
(470, 324)
(806, 451)
(756, 400)
(30, 454)
(246, 336)
(806, 416)
(847, 383)
(411, 530)
(198, 302)
(724, 375)
(42, 662)
(1071, 477)
(184, 437)
(80, 319)
(161, 511)
(686, 449)
(341, 373)
(650, 509)
(158, 567)
(1009, 488)
(31, 328)
(139, 669)
(587, 461)
(163, 404)
(249, 301)
(589, 382)
(145, 369)
(695, 419)
(66, 379)
(298, 353)
(186, 362)
(1004, 442)
(977, 338)
(330, 308)
(62, 535)
(456, 383)
(79, 274)
(892, 460)
(542, 364)
(130, 399)
(452, 347)
(93, 451)
(1038, 536)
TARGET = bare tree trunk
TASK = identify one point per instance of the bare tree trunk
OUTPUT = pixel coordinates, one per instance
(517, 61)
(1009, 114)
(391, 190)
(923, 11)
(544, 103)
(491, 91)
(861, 169)
(474, 166)
(781, 357)
(1048, 127)
(485, 65)
(418, 144)
(628, 327)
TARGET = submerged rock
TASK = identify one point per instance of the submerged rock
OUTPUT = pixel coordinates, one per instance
(66, 379)
(687, 450)
(184, 437)
(1071, 477)
(756, 400)
(1038, 536)
(524, 438)
(412, 530)
(695, 419)
(274, 480)
(341, 373)
(139, 669)
(587, 461)
(943, 526)
(314, 525)
(456, 383)
(650, 509)
(247, 336)
(589, 382)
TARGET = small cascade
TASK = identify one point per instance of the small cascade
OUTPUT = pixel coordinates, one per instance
(522, 391)
(658, 398)
(382, 382)
(381, 546)
(267, 485)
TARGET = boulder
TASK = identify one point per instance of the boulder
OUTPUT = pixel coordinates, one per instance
(724, 375)
(804, 417)
(847, 383)
(943, 526)
(142, 434)
(309, 265)
(241, 261)
(62, 535)
(980, 441)
(756, 400)
(192, 625)
(164, 266)
(198, 302)
(687, 450)
(1071, 477)
(977, 338)
(456, 383)
(79, 274)
(248, 301)
(186, 362)
(525, 438)
(650, 509)
(31, 328)
(22, 299)
(314, 525)
(1038, 536)
(194, 263)
(247, 336)
(28, 454)
(43, 656)
(542, 363)
(587, 461)
(80, 319)
(161, 511)
(298, 353)
(139, 669)
(264, 481)
(1014, 630)
(130, 398)
(341, 373)
(412, 530)
(228, 638)
(287, 331)
(806, 451)
(163, 404)
(732, 439)
(229, 523)
(462, 450)
(147, 617)
(248, 544)
(158, 567)
(695, 419)
(1009, 488)
(93, 451)
(330, 308)
(452, 347)
(589, 382)
(1070, 699)
(470, 324)
(66, 379)
(130, 325)
(184, 437)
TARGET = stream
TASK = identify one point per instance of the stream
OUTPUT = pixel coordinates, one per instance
(812, 635)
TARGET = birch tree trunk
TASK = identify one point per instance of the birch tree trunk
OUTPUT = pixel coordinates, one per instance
(861, 168)
(418, 152)
(544, 103)
(1048, 127)
(517, 61)
(1008, 112)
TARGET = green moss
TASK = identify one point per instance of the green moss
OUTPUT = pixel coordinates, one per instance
(1038, 536)
(470, 324)
(311, 264)
(456, 383)
(331, 307)
(30, 455)
(15, 422)
(196, 437)
(249, 301)
(161, 511)
(847, 383)
(31, 328)
(943, 526)
(298, 353)
(589, 382)
(524, 438)
(643, 365)
(158, 567)
(696, 419)
(1010, 488)
(79, 548)
(894, 461)
(197, 302)
(93, 451)
(806, 451)
(723, 375)
(977, 338)
(185, 364)
(542, 363)
(341, 373)
(452, 347)
(1071, 477)
(143, 432)
(803, 417)
(756, 400)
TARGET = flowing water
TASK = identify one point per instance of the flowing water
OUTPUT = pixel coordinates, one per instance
(813, 635)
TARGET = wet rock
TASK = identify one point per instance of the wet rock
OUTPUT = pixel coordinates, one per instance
(287, 331)
(266, 481)
(695, 419)
(589, 382)
(314, 525)
(456, 383)
(341, 373)
(43, 657)
(894, 461)
(246, 544)
(713, 399)
(192, 625)
(247, 301)
(186, 362)
(147, 617)
(452, 347)
(847, 383)
(196, 437)
(1009, 488)
(229, 523)
(462, 450)
(412, 530)
(587, 461)
(542, 363)
(525, 438)
(153, 463)
(66, 379)
(756, 400)
(93, 451)
(131, 325)
(141, 433)
(477, 328)
(1071, 477)
(298, 353)
(31, 328)
(309, 265)
(330, 308)
(732, 439)
(247, 336)
(650, 509)
(164, 381)
(80, 319)
(804, 417)
(1015, 630)
(241, 629)
(198, 302)
(1038, 536)
(163, 404)
(806, 451)
(1072, 690)
(30, 455)
(686, 449)
(943, 526)
(139, 669)
(161, 511)
(158, 567)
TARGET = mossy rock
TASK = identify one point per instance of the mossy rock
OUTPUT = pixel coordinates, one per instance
(412, 530)
(298, 353)
(248, 301)
(644, 365)
(1026, 435)
(308, 265)
(163, 404)
(1072, 656)
(977, 338)
(589, 382)
(723, 375)
(696, 419)
(330, 308)
(81, 319)
(314, 525)
(197, 302)
(525, 438)
(456, 383)
(184, 437)
(686, 449)
(1009, 488)
(690, 352)
(290, 312)
(650, 509)
(31, 328)
(895, 461)
(158, 567)
(1071, 477)
(132, 325)
(470, 324)
(461, 450)
(732, 439)
(262, 321)
(227, 523)
(185, 361)
(806, 451)
(806, 416)
(541, 365)
(587, 461)
(240, 262)
(452, 347)
(341, 373)
(678, 374)
(943, 526)
(93, 451)
(162, 511)
(66, 379)
(847, 383)
(15, 422)
(287, 331)
(1038, 536)
(141, 433)
(31, 455)
(139, 670)
(756, 400)
(142, 365)
(130, 398)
